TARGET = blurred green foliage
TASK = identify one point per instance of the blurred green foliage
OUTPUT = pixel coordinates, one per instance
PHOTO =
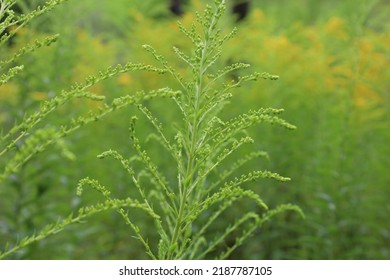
(332, 57)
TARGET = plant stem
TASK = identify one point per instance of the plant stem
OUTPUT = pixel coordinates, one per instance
(192, 135)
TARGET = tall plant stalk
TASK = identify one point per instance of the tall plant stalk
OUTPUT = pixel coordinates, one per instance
(185, 210)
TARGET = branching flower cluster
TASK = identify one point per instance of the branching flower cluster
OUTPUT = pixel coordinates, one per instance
(185, 210)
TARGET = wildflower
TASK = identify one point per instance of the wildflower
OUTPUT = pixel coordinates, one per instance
(335, 27)
(38, 95)
(124, 79)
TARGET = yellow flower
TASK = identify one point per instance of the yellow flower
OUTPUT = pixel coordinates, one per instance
(365, 47)
(124, 79)
(38, 95)
(9, 92)
(258, 16)
(279, 43)
(335, 27)
(364, 96)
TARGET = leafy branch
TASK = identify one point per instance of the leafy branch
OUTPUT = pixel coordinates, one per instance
(184, 209)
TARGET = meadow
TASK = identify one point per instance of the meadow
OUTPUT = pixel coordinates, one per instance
(332, 59)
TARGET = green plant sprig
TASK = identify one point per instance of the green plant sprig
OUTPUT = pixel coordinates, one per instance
(184, 210)
(82, 214)
(77, 90)
(29, 48)
(42, 138)
(12, 72)
(27, 139)
(201, 145)
(18, 21)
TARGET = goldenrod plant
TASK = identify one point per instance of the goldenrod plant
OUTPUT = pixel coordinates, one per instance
(31, 135)
(206, 184)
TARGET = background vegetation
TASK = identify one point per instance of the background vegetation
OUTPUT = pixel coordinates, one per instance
(333, 61)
